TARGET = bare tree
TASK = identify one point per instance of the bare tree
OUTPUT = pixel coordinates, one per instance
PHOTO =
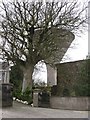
(33, 31)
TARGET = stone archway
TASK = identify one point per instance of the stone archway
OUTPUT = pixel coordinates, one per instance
(45, 73)
(51, 75)
(63, 40)
(40, 73)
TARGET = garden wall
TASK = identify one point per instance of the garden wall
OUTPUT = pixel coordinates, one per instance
(70, 103)
(73, 86)
(73, 78)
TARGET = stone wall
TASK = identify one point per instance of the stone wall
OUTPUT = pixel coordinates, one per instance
(51, 75)
(68, 75)
(62, 38)
(63, 95)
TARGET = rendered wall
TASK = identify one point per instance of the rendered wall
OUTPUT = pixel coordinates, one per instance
(51, 76)
(70, 103)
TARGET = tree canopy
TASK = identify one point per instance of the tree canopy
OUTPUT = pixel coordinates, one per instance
(21, 22)
(33, 31)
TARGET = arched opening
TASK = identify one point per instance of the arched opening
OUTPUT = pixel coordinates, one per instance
(40, 74)
(44, 74)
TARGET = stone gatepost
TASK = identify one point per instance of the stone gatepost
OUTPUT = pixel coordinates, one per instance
(6, 98)
(4, 72)
(36, 97)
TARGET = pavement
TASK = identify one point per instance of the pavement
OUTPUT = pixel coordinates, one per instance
(19, 110)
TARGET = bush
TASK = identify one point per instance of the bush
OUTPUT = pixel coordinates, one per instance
(27, 95)
(17, 94)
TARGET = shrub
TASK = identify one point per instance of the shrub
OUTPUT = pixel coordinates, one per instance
(27, 95)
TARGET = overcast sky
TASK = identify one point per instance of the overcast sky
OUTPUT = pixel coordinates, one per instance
(78, 49)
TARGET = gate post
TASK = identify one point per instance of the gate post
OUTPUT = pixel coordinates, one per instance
(35, 97)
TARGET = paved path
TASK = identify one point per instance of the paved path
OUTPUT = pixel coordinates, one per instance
(20, 110)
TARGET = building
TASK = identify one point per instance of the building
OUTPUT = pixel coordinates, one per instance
(4, 72)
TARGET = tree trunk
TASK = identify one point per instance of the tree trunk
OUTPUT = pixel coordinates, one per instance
(27, 80)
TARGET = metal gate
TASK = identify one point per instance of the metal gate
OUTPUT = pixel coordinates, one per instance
(44, 99)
